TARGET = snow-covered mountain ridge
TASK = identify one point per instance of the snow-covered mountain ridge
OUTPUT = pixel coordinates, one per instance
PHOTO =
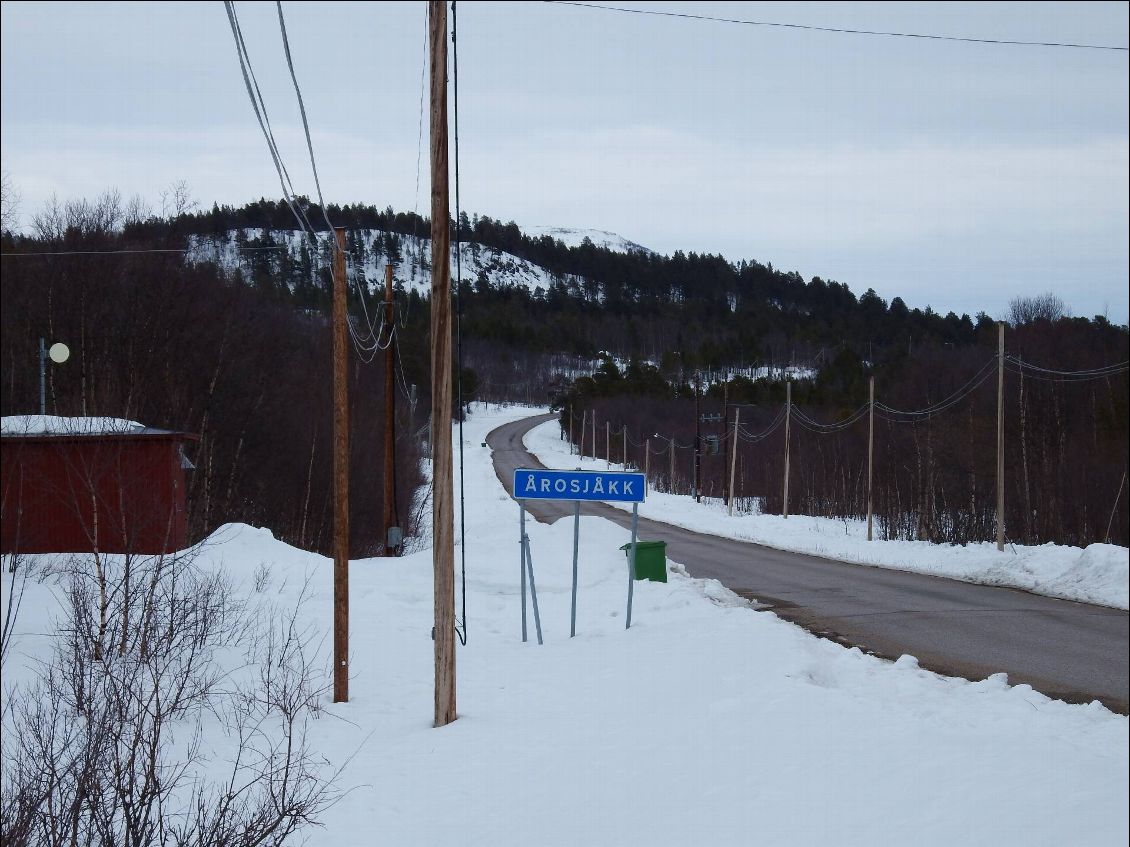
(297, 258)
(369, 250)
(571, 237)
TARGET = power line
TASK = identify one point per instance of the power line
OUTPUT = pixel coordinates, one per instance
(123, 252)
(815, 426)
(420, 130)
(260, 109)
(302, 110)
(1019, 366)
(941, 406)
(373, 333)
(840, 30)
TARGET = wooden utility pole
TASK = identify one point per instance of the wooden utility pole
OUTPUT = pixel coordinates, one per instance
(647, 458)
(734, 459)
(624, 457)
(1000, 436)
(570, 430)
(725, 428)
(581, 445)
(788, 420)
(607, 444)
(697, 438)
(390, 415)
(443, 522)
(341, 475)
(594, 435)
(870, 452)
(671, 480)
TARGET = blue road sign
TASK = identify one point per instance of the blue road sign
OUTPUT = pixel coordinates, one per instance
(607, 486)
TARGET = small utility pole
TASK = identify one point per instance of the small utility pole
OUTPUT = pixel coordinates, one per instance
(734, 458)
(870, 452)
(570, 430)
(390, 416)
(443, 522)
(624, 431)
(726, 494)
(607, 444)
(42, 376)
(581, 445)
(647, 458)
(341, 475)
(1000, 435)
(788, 420)
(697, 437)
(671, 479)
(594, 435)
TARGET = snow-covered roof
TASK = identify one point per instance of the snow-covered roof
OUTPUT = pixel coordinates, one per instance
(56, 425)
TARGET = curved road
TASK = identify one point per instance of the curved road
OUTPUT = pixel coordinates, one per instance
(1071, 651)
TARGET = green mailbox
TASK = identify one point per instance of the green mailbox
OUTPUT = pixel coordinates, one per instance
(651, 559)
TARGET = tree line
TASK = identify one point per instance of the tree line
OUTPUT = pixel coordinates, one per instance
(639, 303)
(934, 438)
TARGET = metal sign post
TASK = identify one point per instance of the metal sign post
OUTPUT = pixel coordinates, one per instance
(522, 566)
(600, 486)
(632, 565)
(576, 550)
(528, 566)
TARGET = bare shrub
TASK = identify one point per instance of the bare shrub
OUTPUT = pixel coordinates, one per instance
(109, 745)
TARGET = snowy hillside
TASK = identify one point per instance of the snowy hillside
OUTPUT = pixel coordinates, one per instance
(575, 238)
(369, 251)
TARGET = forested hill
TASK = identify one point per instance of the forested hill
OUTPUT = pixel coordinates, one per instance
(536, 294)
(633, 303)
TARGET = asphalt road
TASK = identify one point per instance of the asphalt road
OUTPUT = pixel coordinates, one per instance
(1071, 651)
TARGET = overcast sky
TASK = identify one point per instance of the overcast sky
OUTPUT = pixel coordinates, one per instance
(951, 174)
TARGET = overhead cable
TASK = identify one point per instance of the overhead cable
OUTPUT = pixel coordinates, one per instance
(839, 30)
(941, 406)
(260, 109)
(125, 252)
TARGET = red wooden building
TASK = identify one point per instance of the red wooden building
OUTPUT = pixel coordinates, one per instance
(112, 490)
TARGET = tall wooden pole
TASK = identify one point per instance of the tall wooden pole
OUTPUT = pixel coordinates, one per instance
(570, 430)
(733, 459)
(725, 429)
(341, 476)
(788, 421)
(647, 459)
(1000, 436)
(607, 444)
(443, 531)
(390, 415)
(870, 453)
(581, 445)
(697, 438)
(624, 457)
(594, 435)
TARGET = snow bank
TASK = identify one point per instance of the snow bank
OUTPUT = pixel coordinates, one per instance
(1097, 574)
(54, 425)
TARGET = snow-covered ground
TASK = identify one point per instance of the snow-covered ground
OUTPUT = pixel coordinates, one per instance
(1099, 573)
(705, 723)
